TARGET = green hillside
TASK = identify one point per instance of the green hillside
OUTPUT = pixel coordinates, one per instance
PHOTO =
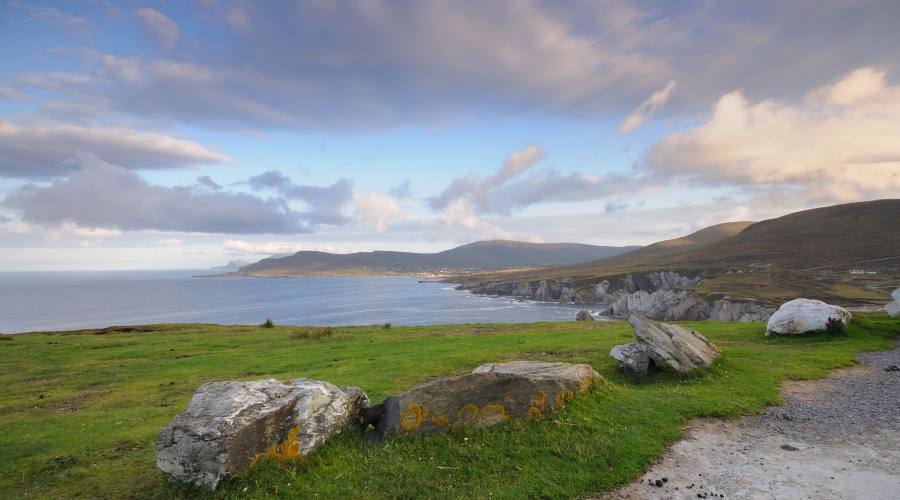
(81, 410)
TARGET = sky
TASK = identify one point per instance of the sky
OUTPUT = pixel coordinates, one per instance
(187, 134)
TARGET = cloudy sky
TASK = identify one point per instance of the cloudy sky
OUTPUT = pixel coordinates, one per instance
(168, 134)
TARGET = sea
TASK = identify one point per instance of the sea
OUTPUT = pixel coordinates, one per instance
(51, 301)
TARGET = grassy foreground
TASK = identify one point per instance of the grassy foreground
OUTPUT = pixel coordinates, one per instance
(80, 411)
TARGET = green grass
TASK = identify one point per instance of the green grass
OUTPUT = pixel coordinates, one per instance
(80, 412)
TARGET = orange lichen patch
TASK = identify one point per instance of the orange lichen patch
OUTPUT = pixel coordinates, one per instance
(439, 420)
(285, 450)
(569, 395)
(532, 412)
(466, 415)
(586, 382)
(539, 399)
(559, 400)
(491, 414)
(411, 417)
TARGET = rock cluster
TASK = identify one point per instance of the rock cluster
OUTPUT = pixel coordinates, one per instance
(662, 295)
(491, 394)
(228, 425)
(663, 346)
(801, 316)
(893, 307)
(584, 315)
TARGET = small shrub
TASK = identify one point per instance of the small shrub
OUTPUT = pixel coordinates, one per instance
(4, 336)
(268, 323)
(835, 327)
(387, 326)
(311, 332)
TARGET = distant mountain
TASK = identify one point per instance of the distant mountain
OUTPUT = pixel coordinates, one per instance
(478, 256)
(232, 265)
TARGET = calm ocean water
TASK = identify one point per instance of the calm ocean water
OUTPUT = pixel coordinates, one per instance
(68, 300)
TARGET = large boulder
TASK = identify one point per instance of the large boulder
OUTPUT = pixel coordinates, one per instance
(491, 394)
(584, 315)
(664, 346)
(893, 308)
(228, 425)
(800, 316)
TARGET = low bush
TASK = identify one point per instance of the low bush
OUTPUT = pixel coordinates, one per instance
(268, 323)
(311, 332)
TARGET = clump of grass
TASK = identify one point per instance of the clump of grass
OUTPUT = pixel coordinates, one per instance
(4, 336)
(835, 327)
(311, 332)
(387, 326)
(268, 324)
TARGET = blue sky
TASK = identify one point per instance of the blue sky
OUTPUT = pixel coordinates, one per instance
(185, 134)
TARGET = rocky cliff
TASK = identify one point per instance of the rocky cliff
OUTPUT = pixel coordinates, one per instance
(662, 295)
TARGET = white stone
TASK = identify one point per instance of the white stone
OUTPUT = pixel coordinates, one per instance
(800, 316)
(893, 308)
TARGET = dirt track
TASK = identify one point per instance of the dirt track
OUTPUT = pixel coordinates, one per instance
(837, 437)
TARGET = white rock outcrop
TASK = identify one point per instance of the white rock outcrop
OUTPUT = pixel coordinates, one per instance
(893, 308)
(801, 316)
(228, 425)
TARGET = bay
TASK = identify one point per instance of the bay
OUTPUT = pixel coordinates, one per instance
(45, 301)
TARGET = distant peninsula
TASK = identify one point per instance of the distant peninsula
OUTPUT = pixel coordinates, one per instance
(480, 256)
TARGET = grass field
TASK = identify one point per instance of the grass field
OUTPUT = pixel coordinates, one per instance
(80, 411)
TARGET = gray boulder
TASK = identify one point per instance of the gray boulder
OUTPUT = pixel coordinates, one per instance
(584, 315)
(491, 394)
(665, 346)
(893, 308)
(800, 316)
(228, 425)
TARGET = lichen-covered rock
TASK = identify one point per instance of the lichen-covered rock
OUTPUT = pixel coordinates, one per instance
(664, 345)
(228, 425)
(800, 316)
(584, 315)
(893, 308)
(491, 394)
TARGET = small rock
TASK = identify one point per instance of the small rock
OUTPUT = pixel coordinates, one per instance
(658, 483)
(788, 447)
(665, 346)
(584, 315)
(892, 368)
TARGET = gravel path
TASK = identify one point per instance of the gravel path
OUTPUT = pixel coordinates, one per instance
(838, 437)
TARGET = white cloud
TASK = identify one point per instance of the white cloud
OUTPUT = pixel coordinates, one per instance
(41, 151)
(162, 30)
(459, 214)
(376, 208)
(510, 190)
(647, 108)
(268, 248)
(841, 144)
(103, 195)
(170, 242)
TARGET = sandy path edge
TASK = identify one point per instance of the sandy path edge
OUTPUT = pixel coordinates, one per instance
(837, 437)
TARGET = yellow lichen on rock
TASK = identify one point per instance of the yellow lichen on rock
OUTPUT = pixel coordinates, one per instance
(570, 396)
(439, 420)
(532, 412)
(466, 415)
(559, 400)
(491, 414)
(411, 417)
(539, 399)
(285, 450)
